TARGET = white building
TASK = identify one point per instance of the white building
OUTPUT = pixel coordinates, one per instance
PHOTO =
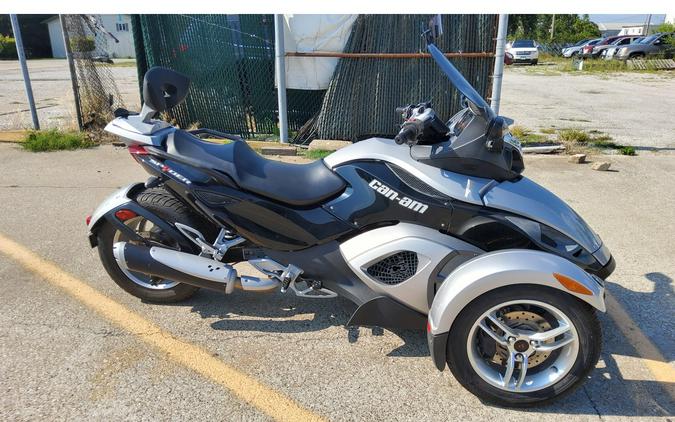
(632, 30)
(119, 43)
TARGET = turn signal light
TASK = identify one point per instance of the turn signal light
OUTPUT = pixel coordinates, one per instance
(137, 150)
(124, 215)
(572, 285)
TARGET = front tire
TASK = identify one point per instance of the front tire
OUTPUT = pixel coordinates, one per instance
(171, 210)
(490, 364)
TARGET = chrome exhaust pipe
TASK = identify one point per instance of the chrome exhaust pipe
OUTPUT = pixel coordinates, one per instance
(186, 268)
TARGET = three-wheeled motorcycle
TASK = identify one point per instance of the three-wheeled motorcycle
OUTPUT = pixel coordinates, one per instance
(436, 229)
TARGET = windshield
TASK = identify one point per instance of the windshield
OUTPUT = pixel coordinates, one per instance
(461, 84)
(649, 40)
(523, 43)
(593, 42)
(580, 43)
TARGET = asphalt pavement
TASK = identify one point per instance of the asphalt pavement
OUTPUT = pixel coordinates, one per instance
(61, 358)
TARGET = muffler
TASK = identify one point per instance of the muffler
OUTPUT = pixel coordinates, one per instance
(185, 268)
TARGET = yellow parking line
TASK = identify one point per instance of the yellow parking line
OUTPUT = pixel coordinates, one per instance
(243, 386)
(661, 369)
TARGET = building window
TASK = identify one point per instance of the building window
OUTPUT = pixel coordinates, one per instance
(122, 27)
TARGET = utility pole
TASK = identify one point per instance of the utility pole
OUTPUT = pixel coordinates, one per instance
(280, 67)
(498, 72)
(552, 26)
(649, 22)
(24, 69)
(71, 65)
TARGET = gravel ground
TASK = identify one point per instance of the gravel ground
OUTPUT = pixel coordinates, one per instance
(53, 92)
(59, 360)
(633, 108)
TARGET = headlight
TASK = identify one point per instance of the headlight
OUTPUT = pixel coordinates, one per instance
(623, 50)
(553, 241)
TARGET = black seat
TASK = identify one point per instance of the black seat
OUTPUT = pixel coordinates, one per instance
(294, 184)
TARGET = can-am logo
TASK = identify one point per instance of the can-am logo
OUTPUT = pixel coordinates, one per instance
(404, 201)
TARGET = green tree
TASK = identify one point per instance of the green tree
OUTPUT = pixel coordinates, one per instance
(566, 27)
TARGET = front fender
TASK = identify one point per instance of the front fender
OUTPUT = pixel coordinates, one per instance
(498, 269)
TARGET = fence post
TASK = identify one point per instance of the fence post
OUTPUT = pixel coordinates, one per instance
(24, 69)
(71, 65)
(280, 67)
(499, 62)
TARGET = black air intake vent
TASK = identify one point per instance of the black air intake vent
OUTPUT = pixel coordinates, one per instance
(394, 269)
(416, 184)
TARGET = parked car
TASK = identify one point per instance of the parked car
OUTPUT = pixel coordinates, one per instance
(660, 44)
(574, 49)
(609, 52)
(588, 47)
(600, 47)
(524, 51)
(588, 52)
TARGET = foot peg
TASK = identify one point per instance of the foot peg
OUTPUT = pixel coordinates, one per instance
(289, 276)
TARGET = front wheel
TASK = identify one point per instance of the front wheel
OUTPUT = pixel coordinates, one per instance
(524, 345)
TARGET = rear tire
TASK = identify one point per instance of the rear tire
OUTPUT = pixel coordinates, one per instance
(581, 315)
(167, 207)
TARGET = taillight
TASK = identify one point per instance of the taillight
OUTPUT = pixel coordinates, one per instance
(428, 326)
(124, 215)
(88, 219)
(137, 150)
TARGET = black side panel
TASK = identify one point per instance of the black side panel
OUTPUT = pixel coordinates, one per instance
(383, 311)
(376, 195)
(326, 264)
(437, 346)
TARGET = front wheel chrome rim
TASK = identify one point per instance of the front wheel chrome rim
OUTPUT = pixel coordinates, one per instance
(522, 345)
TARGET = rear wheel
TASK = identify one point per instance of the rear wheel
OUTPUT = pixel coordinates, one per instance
(524, 345)
(167, 207)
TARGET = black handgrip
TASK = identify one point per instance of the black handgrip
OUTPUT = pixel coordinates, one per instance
(407, 134)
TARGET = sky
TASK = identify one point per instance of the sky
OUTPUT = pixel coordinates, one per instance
(618, 18)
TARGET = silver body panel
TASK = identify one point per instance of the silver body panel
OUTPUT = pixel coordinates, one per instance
(430, 245)
(134, 131)
(464, 188)
(531, 200)
(117, 198)
(523, 197)
(505, 268)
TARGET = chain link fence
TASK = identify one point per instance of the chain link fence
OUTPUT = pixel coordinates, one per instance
(96, 93)
(364, 92)
(230, 60)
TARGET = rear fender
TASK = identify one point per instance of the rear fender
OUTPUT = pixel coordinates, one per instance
(499, 269)
(121, 199)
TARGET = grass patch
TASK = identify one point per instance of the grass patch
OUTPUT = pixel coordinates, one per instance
(574, 136)
(314, 154)
(526, 136)
(576, 140)
(547, 130)
(54, 140)
(627, 150)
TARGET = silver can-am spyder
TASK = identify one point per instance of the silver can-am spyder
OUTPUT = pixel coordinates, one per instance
(436, 229)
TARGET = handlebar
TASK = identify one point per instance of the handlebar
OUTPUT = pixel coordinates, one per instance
(408, 134)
